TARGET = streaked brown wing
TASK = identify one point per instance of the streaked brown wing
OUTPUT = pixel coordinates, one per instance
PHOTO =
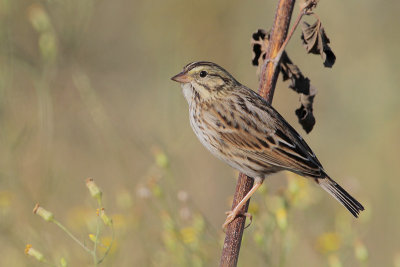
(260, 150)
(261, 135)
(287, 144)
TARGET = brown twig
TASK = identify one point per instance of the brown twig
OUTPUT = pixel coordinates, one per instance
(269, 75)
(303, 11)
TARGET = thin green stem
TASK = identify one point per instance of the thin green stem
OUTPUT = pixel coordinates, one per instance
(95, 241)
(99, 202)
(111, 243)
(62, 227)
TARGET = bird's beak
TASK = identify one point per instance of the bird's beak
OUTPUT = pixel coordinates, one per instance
(181, 78)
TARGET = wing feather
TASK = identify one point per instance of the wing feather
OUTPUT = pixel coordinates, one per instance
(255, 130)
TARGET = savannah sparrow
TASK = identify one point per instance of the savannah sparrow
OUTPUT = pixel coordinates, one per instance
(239, 127)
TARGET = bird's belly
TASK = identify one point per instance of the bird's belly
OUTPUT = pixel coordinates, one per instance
(225, 153)
(206, 139)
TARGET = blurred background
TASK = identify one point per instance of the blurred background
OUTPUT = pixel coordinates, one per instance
(85, 91)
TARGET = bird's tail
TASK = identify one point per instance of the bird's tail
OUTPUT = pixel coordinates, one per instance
(341, 195)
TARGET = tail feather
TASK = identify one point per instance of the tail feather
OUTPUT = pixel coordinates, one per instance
(341, 195)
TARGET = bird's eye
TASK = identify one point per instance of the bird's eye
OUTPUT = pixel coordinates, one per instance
(203, 73)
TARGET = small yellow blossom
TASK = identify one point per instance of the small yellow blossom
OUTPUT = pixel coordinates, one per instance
(93, 189)
(63, 262)
(188, 235)
(107, 243)
(281, 218)
(93, 238)
(328, 242)
(160, 157)
(29, 250)
(103, 243)
(45, 214)
(106, 220)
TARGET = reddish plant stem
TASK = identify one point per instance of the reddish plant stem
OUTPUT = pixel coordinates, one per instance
(279, 54)
(269, 73)
(268, 78)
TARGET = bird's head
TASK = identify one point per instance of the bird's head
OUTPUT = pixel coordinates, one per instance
(207, 78)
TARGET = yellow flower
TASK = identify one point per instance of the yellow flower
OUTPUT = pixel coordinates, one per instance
(63, 262)
(104, 217)
(160, 157)
(92, 237)
(104, 243)
(189, 235)
(328, 242)
(93, 189)
(29, 250)
(281, 218)
(45, 214)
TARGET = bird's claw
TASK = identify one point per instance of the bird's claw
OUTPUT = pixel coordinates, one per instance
(232, 215)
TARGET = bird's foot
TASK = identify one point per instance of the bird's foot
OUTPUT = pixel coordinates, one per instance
(233, 214)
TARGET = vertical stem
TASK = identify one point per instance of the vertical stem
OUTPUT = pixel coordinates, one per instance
(96, 240)
(234, 231)
(269, 75)
(270, 71)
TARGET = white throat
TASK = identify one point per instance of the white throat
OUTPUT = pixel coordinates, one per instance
(187, 91)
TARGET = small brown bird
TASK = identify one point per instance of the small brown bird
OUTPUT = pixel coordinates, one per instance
(239, 127)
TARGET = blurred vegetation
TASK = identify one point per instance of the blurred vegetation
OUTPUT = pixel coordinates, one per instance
(85, 92)
(99, 243)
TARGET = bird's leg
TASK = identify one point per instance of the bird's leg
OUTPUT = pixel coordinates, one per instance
(236, 211)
